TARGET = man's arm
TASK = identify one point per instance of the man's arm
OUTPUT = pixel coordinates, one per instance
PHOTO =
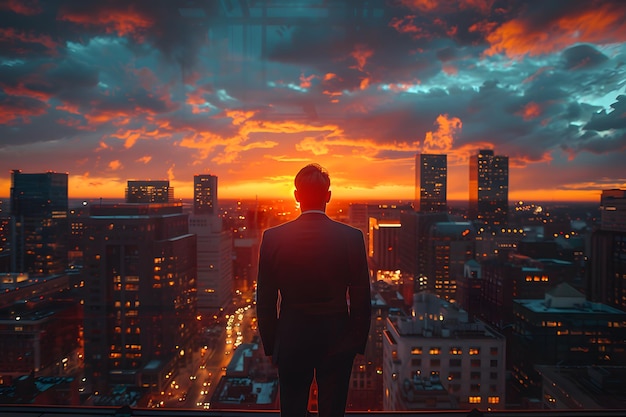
(359, 293)
(267, 297)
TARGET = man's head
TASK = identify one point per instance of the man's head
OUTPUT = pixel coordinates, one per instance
(312, 184)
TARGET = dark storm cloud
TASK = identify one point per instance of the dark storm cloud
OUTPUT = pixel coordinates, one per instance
(582, 56)
(45, 78)
(592, 141)
(615, 119)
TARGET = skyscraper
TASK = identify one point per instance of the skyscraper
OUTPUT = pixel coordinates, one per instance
(431, 172)
(39, 222)
(149, 192)
(205, 194)
(214, 250)
(607, 267)
(140, 277)
(489, 187)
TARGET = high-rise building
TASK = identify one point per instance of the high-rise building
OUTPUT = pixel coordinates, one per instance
(613, 210)
(149, 192)
(214, 249)
(450, 245)
(205, 194)
(414, 241)
(489, 187)
(606, 279)
(431, 172)
(140, 286)
(383, 244)
(39, 228)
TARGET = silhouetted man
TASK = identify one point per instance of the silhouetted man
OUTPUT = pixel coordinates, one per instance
(313, 300)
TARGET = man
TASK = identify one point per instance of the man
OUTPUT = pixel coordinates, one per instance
(313, 300)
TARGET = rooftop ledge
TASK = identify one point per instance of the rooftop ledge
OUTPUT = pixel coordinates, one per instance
(57, 411)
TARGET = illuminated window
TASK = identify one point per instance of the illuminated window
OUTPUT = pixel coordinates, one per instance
(474, 400)
(435, 350)
(493, 400)
(416, 350)
(474, 351)
(456, 351)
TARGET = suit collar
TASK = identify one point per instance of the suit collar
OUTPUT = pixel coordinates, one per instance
(314, 211)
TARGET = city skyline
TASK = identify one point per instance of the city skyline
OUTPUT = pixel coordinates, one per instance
(111, 92)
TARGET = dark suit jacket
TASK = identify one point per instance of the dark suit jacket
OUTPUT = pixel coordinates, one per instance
(314, 263)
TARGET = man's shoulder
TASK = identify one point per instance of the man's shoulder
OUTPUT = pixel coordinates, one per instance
(346, 227)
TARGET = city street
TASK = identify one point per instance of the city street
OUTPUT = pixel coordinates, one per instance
(195, 384)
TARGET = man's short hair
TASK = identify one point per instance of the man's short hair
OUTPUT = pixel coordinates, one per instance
(312, 183)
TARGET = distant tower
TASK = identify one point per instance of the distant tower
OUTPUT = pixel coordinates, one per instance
(39, 225)
(205, 194)
(215, 248)
(607, 267)
(149, 192)
(489, 187)
(431, 172)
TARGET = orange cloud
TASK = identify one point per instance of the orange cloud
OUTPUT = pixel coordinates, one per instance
(115, 165)
(22, 89)
(23, 7)
(119, 117)
(311, 144)
(10, 112)
(442, 139)
(144, 159)
(11, 35)
(516, 38)
(361, 54)
(121, 22)
(131, 136)
(447, 6)
(305, 82)
(530, 111)
(407, 25)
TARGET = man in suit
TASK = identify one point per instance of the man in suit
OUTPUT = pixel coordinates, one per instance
(313, 300)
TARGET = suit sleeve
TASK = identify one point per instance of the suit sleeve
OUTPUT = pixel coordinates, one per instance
(359, 293)
(267, 297)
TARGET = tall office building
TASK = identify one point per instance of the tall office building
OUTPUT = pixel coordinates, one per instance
(489, 187)
(450, 246)
(149, 192)
(140, 303)
(205, 194)
(414, 244)
(39, 226)
(431, 172)
(606, 281)
(214, 250)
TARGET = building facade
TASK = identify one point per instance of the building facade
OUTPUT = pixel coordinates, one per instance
(205, 195)
(431, 172)
(39, 228)
(563, 329)
(140, 294)
(149, 192)
(440, 345)
(606, 280)
(489, 187)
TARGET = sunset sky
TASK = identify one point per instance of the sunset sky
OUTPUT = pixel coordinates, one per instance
(110, 91)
